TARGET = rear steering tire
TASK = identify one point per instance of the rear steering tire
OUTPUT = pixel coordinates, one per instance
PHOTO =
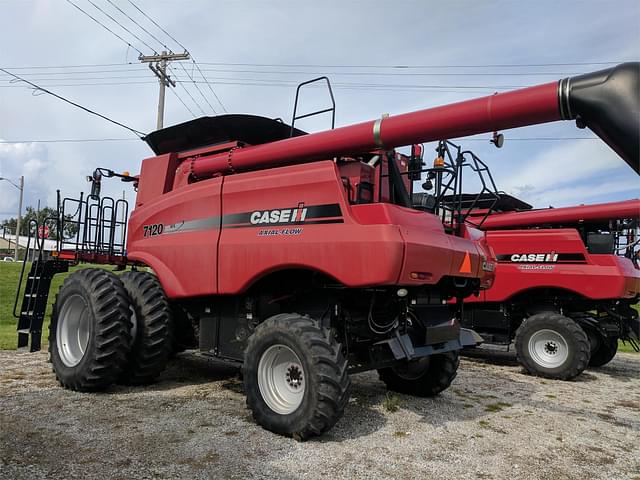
(295, 376)
(152, 328)
(553, 346)
(89, 333)
(605, 349)
(424, 377)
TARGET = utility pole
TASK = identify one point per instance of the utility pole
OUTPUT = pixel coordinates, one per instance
(21, 188)
(158, 65)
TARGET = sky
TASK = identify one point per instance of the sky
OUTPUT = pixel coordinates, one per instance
(253, 53)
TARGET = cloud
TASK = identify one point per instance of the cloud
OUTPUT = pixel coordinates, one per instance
(17, 159)
(571, 172)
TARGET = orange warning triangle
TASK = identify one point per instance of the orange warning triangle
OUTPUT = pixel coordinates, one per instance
(466, 264)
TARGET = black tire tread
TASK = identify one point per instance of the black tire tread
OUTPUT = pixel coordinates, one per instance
(110, 304)
(333, 381)
(582, 353)
(605, 352)
(441, 372)
(152, 346)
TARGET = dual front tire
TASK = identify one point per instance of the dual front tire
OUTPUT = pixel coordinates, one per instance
(106, 329)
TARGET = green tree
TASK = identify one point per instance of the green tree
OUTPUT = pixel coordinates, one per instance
(46, 216)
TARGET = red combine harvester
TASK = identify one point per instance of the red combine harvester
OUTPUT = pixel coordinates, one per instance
(565, 284)
(296, 255)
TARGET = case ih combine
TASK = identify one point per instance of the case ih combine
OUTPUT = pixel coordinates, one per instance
(565, 284)
(296, 255)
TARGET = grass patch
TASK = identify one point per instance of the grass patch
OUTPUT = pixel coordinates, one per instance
(484, 424)
(391, 402)
(549, 395)
(400, 434)
(9, 276)
(496, 407)
(625, 347)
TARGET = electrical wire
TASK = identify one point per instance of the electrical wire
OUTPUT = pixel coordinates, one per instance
(487, 65)
(181, 83)
(192, 59)
(209, 85)
(197, 87)
(141, 27)
(123, 27)
(103, 26)
(91, 65)
(39, 88)
(69, 140)
(156, 24)
(182, 102)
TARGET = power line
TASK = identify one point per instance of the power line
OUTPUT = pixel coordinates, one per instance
(144, 29)
(209, 85)
(197, 87)
(290, 65)
(192, 58)
(34, 74)
(372, 74)
(103, 26)
(156, 24)
(241, 80)
(86, 65)
(486, 65)
(187, 91)
(123, 27)
(70, 140)
(137, 132)
(182, 102)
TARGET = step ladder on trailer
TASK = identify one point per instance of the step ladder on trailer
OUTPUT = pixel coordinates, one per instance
(34, 301)
(36, 291)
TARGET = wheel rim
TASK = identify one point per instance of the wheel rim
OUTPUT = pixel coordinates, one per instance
(281, 379)
(412, 370)
(72, 331)
(548, 348)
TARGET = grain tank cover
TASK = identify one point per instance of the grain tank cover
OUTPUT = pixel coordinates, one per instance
(203, 131)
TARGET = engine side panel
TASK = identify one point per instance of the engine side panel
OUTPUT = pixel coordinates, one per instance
(530, 259)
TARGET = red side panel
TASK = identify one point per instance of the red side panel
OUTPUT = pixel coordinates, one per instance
(327, 239)
(559, 260)
(177, 236)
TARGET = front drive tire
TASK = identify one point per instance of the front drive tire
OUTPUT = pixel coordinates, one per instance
(553, 346)
(152, 333)
(424, 377)
(295, 376)
(89, 333)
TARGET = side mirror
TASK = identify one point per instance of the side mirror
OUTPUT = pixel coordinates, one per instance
(415, 162)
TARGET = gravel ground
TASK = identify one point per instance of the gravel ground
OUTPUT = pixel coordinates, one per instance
(494, 422)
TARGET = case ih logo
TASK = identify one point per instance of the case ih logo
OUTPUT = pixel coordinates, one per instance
(534, 257)
(279, 216)
(550, 257)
